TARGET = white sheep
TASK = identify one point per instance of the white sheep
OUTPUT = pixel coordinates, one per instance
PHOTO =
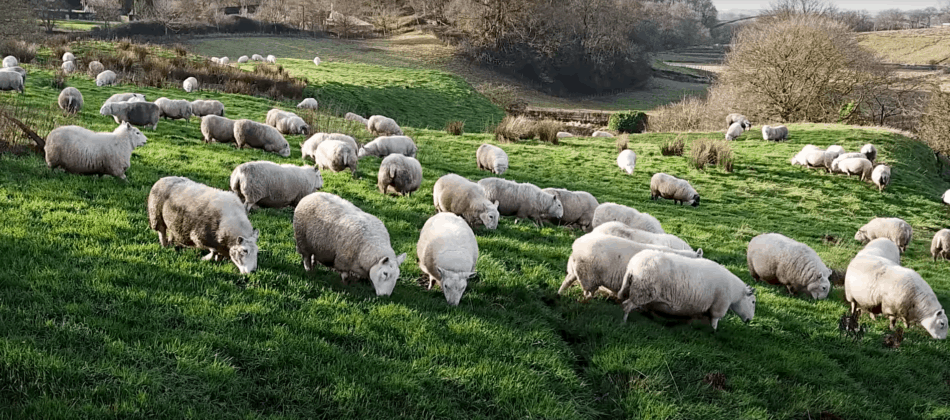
(267, 184)
(95, 67)
(316, 61)
(257, 57)
(447, 252)
(897, 230)
(673, 188)
(202, 107)
(271, 59)
(10, 61)
(309, 147)
(249, 133)
(335, 156)
(16, 69)
(774, 133)
(661, 283)
(332, 231)
(870, 152)
(578, 206)
(613, 212)
(219, 129)
(68, 56)
(387, 145)
(190, 84)
(491, 158)
(940, 245)
(627, 161)
(11, 80)
(564, 135)
(81, 151)
(837, 149)
(454, 194)
(820, 159)
(735, 130)
(874, 283)
(945, 197)
(856, 166)
(599, 133)
(142, 114)
(356, 118)
(287, 122)
(243, 59)
(70, 100)
(881, 176)
(837, 160)
(187, 213)
(621, 230)
(224, 61)
(68, 67)
(379, 125)
(308, 103)
(738, 118)
(175, 108)
(522, 200)
(777, 259)
(106, 78)
(400, 174)
(800, 157)
(126, 97)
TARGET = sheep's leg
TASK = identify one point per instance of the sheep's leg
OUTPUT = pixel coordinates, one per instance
(208, 257)
(568, 282)
(162, 239)
(307, 261)
(893, 320)
(714, 322)
(873, 317)
(587, 296)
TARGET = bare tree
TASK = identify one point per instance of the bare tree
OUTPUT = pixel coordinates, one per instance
(16, 19)
(165, 12)
(890, 19)
(106, 10)
(857, 20)
(783, 9)
(47, 11)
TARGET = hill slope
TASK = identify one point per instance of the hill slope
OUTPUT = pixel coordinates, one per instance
(910, 46)
(96, 319)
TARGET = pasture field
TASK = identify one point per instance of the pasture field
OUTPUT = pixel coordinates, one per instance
(910, 46)
(97, 320)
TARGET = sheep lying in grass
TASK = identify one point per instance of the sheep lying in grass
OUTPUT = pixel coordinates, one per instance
(257, 57)
(447, 253)
(249, 133)
(522, 200)
(673, 188)
(881, 176)
(70, 100)
(219, 129)
(387, 145)
(81, 151)
(202, 107)
(379, 125)
(735, 130)
(564, 135)
(335, 156)
(10, 80)
(308, 103)
(627, 161)
(267, 184)
(940, 245)
(177, 109)
(271, 59)
(454, 194)
(287, 122)
(68, 67)
(856, 166)
(897, 230)
(599, 133)
(190, 84)
(869, 151)
(332, 231)
(774, 133)
(316, 61)
(945, 197)
(309, 147)
(399, 174)
(187, 213)
(613, 212)
(876, 283)
(243, 59)
(95, 67)
(621, 230)
(662, 283)
(778, 259)
(578, 206)
(106, 78)
(10, 61)
(491, 158)
(142, 114)
(740, 119)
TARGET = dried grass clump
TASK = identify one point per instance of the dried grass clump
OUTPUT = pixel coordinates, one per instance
(20, 124)
(705, 152)
(547, 130)
(690, 114)
(512, 129)
(622, 142)
(674, 147)
(24, 51)
(455, 128)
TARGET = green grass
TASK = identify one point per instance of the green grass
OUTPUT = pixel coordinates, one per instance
(915, 46)
(76, 25)
(97, 320)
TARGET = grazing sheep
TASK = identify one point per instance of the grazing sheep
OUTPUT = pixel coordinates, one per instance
(81, 151)
(820, 159)
(202, 107)
(68, 67)
(778, 259)
(257, 57)
(613, 212)
(447, 253)
(95, 67)
(16, 69)
(671, 187)
(661, 283)
(215, 60)
(564, 135)
(735, 130)
(454, 194)
(774, 133)
(10, 61)
(881, 176)
(249, 133)
(387, 145)
(353, 117)
(599, 133)
(68, 56)
(224, 61)
(621, 230)
(379, 125)
(891, 228)
(335, 156)
(856, 166)
(243, 59)
(940, 245)
(333, 232)
(266, 184)
(187, 213)
(308, 103)
(190, 84)
(11, 80)
(738, 118)
(878, 284)
(837, 149)
(600, 261)
(578, 207)
(287, 122)
(70, 100)
(126, 97)
(400, 174)
(837, 161)
(627, 161)
(309, 147)
(106, 78)
(869, 151)
(177, 109)
(522, 200)
(316, 61)
(219, 129)
(800, 157)
(491, 158)
(945, 197)
(271, 59)
(142, 114)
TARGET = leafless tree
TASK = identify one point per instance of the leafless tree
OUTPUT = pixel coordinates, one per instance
(47, 11)
(857, 20)
(165, 12)
(782, 9)
(106, 10)
(889, 19)
(16, 19)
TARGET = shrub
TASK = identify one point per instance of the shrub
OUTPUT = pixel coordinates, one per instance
(455, 128)
(628, 121)
(511, 129)
(690, 114)
(547, 130)
(499, 94)
(711, 152)
(24, 51)
(673, 147)
(935, 123)
(622, 143)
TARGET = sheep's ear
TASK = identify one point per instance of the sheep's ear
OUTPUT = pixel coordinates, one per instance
(469, 275)
(939, 313)
(256, 234)
(400, 258)
(495, 204)
(750, 291)
(441, 272)
(699, 253)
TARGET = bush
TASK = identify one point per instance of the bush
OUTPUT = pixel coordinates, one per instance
(711, 152)
(547, 130)
(935, 123)
(455, 128)
(511, 129)
(24, 51)
(628, 121)
(690, 114)
(623, 143)
(673, 147)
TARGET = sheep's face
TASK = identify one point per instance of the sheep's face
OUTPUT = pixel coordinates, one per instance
(136, 138)
(284, 151)
(362, 152)
(385, 273)
(861, 236)
(936, 324)
(138, 97)
(819, 289)
(745, 307)
(106, 109)
(694, 201)
(244, 254)
(490, 216)
(454, 284)
(555, 208)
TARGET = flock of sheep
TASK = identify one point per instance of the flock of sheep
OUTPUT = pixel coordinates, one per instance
(624, 253)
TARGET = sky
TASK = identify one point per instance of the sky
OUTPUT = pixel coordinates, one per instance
(869, 5)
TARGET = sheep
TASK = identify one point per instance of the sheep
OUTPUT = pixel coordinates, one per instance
(187, 213)
(491, 158)
(316, 61)
(738, 118)
(11, 80)
(777, 259)
(564, 135)
(836, 148)
(70, 100)
(627, 161)
(286, 122)
(202, 107)
(837, 161)
(257, 57)
(578, 207)
(447, 253)
(774, 133)
(600, 261)
(260, 136)
(671, 187)
(379, 125)
(81, 151)
(522, 200)
(940, 245)
(95, 67)
(126, 97)
(106, 78)
(387, 145)
(142, 114)
(68, 67)
(820, 159)
(309, 147)
(945, 197)
(856, 166)
(353, 117)
(735, 130)
(190, 84)
(881, 176)
(621, 230)
(877, 284)
(308, 103)
(219, 129)
(336, 155)
(800, 157)
(401, 174)
(454, 194)
(16, 69)
(658, 282)
(224, 61)
(68, 56)
(266, 184)
(243, 59)
(599, 133)
(333, 232)
(174, 108)
(613, 212)
(10, 61)
(869, 151)
(897, 230)
(271, 59)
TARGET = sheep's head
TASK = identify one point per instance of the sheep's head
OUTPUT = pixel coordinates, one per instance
(244, 253)
(936, 324)
(285, 150)
(695, 200)
(136, 138)
(106, 109)
(555, 208)
(489, 217)
(361, 153)
(861, 236)
(820, 288)
(454, 284)
(385, 273)
(745, 306)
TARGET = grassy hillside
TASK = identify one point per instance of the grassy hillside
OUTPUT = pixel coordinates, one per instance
(97, 320)
(912, 46)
